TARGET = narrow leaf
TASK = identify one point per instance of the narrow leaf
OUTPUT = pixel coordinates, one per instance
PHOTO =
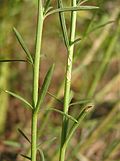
(100, 26)
(80, 118)
(63, 24)
(12, 60)
(46, 6)
(67, 9)
(24, 156)
(23, 134)
(71, 96)
(64, 114)
(81, 2)
(46, 142)
(45, 87)
(20, 98)
(12, 143)
(57, 99)
(47, 10)
(81, 102)
(78, 1)
(41, 155)
(76, 41)
(23, 45)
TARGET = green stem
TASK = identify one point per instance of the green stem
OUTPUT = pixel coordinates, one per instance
(68, 81)
(37, 53)
(36, 80)
(34, 137)
(62, 153)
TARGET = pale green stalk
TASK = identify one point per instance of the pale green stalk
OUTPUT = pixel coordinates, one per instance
(37, 53)
(36, 80)
(68, 81)
(34, 137)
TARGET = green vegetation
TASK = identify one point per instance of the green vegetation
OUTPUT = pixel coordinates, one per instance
(74, 123)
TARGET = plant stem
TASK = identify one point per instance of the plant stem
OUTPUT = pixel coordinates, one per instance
(62, 153)
(37, 53)
(68, 81)
(36, 80)
(34, 137)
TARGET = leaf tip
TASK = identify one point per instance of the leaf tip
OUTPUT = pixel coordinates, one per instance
(14, 29)
(89, 107)
(53, 66)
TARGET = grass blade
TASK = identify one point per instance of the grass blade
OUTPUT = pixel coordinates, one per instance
(63, 24)
(45, 87)
(67, 9)
(64, 114)
(20, 98)
(23, 45)
(23, 134)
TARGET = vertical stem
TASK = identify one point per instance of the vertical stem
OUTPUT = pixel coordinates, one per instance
(68, 81)
(36, 80)
(37, 52)
(34, 137)
(62, 153)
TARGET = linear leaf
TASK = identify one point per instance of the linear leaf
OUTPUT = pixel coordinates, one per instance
(64, 114)
(63, 24)
(45, 87)
(12, 60)
(24, 156)
(80, 118)
(78, 1)
(20, 98)
(67, 9)
(71, 96)
(23, 45)
(47, 4)
(12, 143)
(41, 155)
(76, 41)
(81, 2)
(46, 142)
(57, 99)
(80, 102)
(47, 10)
(24, 135)
(100, 26)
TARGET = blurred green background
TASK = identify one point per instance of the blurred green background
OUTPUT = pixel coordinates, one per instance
(95, 75)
